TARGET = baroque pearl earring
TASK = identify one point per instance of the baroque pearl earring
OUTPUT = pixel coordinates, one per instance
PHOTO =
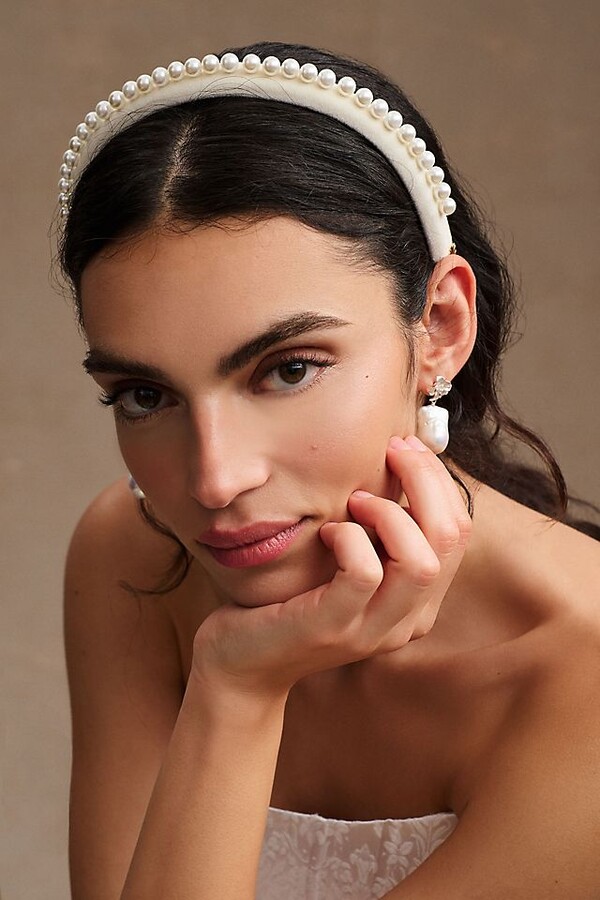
(432, 420)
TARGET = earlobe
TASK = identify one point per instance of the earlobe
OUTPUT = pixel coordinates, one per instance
(449, 321)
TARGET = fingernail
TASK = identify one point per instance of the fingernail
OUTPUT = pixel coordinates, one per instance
(362, 494)
(416, 444)
(397, 443)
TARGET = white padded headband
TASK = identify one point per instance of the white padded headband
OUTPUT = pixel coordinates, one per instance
(289, 82)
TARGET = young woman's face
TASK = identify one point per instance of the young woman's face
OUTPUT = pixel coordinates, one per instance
(258, 377)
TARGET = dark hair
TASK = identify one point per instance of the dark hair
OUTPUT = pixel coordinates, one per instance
(195, 163)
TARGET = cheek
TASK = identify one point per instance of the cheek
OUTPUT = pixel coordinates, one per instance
(341, 440)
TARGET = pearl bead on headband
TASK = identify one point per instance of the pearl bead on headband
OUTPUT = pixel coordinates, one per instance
(286, 81)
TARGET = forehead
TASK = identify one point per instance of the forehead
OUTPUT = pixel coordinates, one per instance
(225, 281)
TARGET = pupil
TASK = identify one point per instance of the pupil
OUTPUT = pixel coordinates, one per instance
(145, 397)
(293, 372)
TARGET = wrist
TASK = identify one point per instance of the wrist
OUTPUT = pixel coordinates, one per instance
(223, 700)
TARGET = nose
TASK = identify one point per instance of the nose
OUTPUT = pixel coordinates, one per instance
(227, 457)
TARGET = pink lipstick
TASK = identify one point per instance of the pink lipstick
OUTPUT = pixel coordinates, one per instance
(252, 546)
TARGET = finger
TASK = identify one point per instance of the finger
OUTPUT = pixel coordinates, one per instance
(388, 617)
(418, 573)
(407, 549)
(453, 490)
(434, 501)
(358, 576)
(456, 492)
(411, 570)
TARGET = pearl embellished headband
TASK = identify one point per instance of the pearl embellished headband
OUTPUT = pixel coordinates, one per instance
(270, 79)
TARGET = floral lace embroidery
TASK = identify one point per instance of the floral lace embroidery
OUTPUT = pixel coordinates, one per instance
(307, 857)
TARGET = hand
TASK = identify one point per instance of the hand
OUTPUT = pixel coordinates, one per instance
(384, 594)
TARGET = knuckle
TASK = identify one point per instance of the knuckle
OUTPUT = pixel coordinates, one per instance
(427, 572)
(446, 538)
(369, 576)
(361, 567)
(452, 535)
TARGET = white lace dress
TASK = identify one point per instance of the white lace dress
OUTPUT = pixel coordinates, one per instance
(307, 857)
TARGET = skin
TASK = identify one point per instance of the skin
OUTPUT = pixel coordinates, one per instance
(401, 641)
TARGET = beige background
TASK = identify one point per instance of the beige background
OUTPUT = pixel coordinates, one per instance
(510, 86)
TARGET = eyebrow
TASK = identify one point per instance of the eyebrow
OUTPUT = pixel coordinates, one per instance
(97, 360)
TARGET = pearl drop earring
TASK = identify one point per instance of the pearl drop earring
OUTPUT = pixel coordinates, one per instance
(432, 420)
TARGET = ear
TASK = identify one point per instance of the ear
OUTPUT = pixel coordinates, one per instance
(449, 323)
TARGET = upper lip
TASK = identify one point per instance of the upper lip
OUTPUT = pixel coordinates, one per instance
(251, 534)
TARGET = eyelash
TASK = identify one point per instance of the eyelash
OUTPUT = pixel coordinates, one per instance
(111, 398)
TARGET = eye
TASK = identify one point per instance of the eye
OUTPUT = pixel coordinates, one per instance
(135, 403)
(295, 372)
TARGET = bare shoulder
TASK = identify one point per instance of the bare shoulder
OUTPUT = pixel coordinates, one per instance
(112, 532)
(115, 560)
(553, 578)
(573, 568)
(546, 565)
(114, 557)
(557, 573)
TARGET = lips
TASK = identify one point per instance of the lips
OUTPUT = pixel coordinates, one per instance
(260, 531)
(252, 546)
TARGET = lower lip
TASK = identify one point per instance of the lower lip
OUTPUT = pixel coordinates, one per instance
(256, 554)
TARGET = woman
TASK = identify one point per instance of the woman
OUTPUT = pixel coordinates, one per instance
(370, 670)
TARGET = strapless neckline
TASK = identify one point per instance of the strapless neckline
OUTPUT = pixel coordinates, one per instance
(306, 856)
(439, 816)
